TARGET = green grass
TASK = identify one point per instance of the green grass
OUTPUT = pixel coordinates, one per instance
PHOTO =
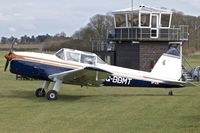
(97, 110)
(194, 60)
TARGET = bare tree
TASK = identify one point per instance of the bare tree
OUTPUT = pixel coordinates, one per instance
(96, 29)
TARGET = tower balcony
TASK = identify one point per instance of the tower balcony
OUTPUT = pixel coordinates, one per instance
(146, 24)
(147, 34)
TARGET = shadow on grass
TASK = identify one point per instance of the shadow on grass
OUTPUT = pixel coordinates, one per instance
(18, 94)
(31, 95)
(78, 97)
(22, 94)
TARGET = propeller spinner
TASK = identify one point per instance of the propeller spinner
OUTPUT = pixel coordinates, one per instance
(8, 57)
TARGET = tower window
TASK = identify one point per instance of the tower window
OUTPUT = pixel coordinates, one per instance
(145, 19)
(120, 20)
(165, 18)
(132, 20)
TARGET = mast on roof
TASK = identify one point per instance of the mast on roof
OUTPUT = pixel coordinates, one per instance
(132, 5)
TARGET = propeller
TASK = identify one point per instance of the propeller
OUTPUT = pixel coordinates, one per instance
(7, 63)
(8, 57)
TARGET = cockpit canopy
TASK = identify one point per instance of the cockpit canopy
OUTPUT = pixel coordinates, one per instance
(79, 56)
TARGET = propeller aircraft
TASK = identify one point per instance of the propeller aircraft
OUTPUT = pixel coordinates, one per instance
(76, 67)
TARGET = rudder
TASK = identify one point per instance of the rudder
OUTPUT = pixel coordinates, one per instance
(169, 65)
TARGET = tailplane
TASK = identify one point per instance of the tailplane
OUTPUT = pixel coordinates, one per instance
(169, 65)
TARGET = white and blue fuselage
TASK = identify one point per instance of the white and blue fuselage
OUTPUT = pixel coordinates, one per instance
(41, 66)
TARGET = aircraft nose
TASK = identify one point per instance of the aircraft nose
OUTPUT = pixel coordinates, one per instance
(9, 56)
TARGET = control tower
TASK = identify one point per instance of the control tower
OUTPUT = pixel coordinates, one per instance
(140, 36)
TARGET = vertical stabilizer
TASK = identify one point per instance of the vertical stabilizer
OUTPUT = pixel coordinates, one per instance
(169, 66)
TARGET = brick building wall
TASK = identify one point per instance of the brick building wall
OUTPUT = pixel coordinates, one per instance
(127, 55)
(140, 56)
(150, 52)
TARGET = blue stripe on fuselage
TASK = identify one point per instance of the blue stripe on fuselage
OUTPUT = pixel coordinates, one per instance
(122, 81)
(34, 69)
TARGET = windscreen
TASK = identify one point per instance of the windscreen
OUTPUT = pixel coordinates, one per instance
(60, 54)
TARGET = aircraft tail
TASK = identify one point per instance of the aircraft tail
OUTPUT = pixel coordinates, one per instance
(169, 65)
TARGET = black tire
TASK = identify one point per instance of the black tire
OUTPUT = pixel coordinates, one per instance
(40, 92)
(52, 95)
(170, 93)
(196, 78)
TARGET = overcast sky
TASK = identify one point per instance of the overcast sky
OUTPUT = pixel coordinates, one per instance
(36, 17)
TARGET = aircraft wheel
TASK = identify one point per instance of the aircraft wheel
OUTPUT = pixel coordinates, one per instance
(170, 93)
(52, 95)
(196, 78)
(40, 92)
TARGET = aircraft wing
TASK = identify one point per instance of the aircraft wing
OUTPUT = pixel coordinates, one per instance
(88, 76)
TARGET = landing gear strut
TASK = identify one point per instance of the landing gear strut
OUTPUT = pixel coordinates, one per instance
(170, 93)
(40, 92)
(52, 94)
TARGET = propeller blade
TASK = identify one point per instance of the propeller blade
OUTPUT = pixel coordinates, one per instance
(7, 63)
(11, 49)
(8, 58)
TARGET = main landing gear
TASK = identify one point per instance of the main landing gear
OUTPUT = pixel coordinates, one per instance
(51, 94)
(40, 92)
(170, 93)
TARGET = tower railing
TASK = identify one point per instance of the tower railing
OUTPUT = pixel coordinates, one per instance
(145, 34)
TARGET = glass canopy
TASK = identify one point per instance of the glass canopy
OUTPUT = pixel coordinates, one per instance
(79, 56)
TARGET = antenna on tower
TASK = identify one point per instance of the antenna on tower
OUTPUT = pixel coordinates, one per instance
(131, 5)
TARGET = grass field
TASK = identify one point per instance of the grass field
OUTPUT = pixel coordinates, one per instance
(97, 110)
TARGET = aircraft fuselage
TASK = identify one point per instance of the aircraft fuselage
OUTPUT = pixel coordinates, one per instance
(41, 68)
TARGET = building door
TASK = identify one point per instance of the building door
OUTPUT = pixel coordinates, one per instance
(154, 26)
